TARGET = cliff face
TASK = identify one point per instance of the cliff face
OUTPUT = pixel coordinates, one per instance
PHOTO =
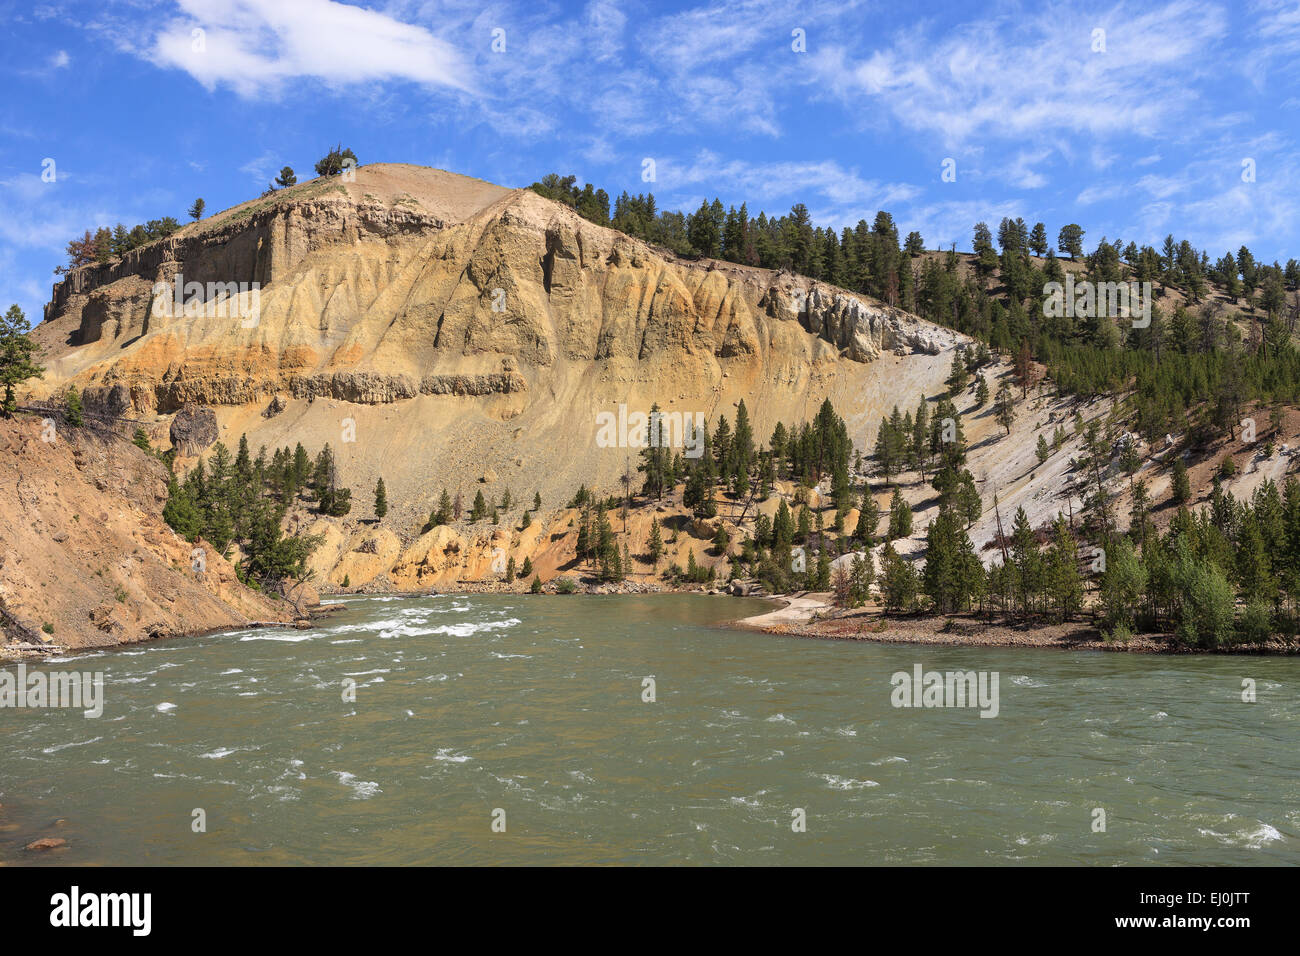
(367, 296)
(433, 327)
(85, 557)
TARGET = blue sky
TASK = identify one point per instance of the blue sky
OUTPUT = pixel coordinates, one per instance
(1144, 137)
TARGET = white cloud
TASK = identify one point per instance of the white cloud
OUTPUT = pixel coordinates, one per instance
(256, 47)
(1162, 187)
(1096, 194)
(1021, 175)
(1275, 40)
(692, 38)
(605, 22)
(844, 196)
(261, 168)
(1035, 75)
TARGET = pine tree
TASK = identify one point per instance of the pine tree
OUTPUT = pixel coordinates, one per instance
(953, 575)
(381, 499)
(582, 544)
(76, 417)
(244, 461)
(181, 512)
(335, 161)
(898, 581)
(900, 517)
(655, 456)
(1028, 562)
(196, 209)
(981, 392)
(331, 499)
(861, 573)
(1038, 240)
(957, 376)
(1070, 239)
(868, 518)
(1181, 486)
(301, 467)
(1063, 578)
(823, 580)
(918, 451)
(1123, 582)
(1005, 406)
(16, 352)
(479, 509)
(742, 452)
(656, 544)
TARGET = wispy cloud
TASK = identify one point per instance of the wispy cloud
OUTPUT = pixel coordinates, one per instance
(832, 192)
(1035, 75)
(942, 224)
(261, 168)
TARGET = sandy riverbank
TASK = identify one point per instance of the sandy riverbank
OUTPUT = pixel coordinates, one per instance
(814, 616)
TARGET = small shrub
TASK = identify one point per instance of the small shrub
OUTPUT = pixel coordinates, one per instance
(1255, 623)
(1121, 633)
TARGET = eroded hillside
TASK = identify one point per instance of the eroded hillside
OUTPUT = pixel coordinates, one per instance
(85, 557)
(443, 332)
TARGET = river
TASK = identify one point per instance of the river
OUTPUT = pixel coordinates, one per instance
(490, 729)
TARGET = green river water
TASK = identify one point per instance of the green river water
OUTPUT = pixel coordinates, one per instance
(466, 705)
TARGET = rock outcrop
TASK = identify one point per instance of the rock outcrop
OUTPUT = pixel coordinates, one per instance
(193, 429)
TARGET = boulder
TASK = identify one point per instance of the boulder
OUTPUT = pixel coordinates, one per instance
(46, 843)
(193, 429)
